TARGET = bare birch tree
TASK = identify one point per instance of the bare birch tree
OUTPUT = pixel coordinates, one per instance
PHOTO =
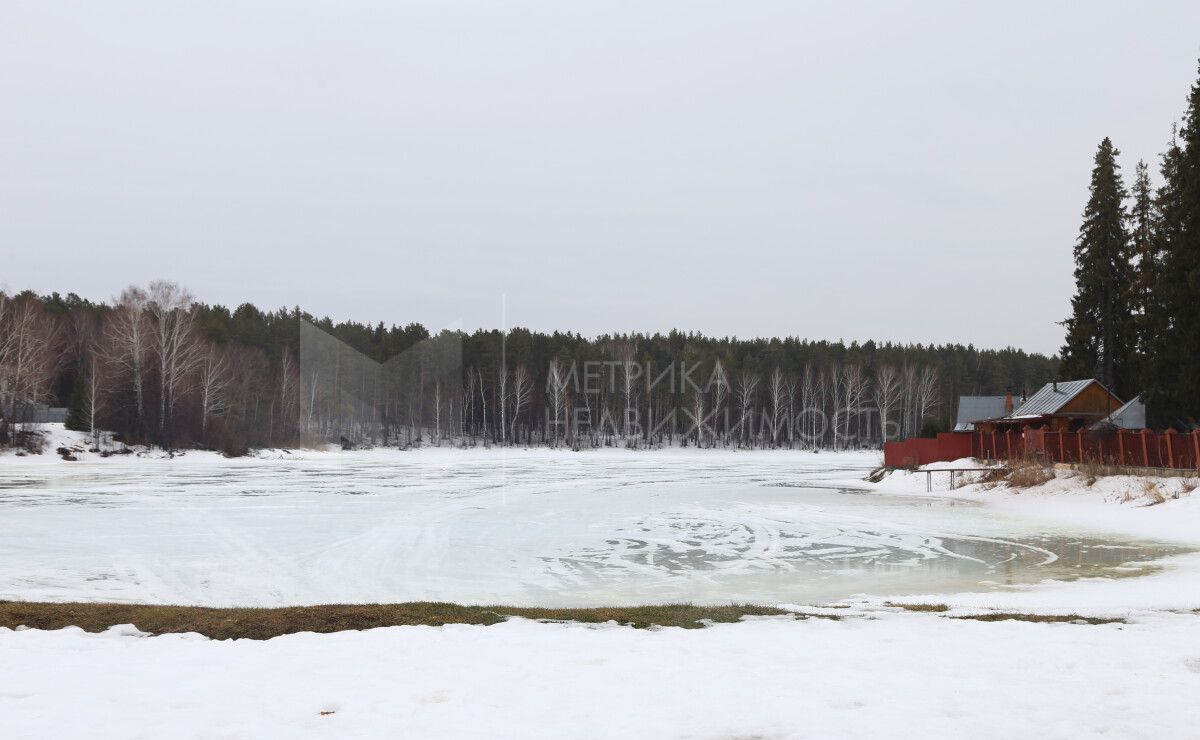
(719, 381)
(556, 394)
(128, 338)
(522, 389)
(888, 387)
(909, 380)
(747, 386)
(503, 386)
(790, 390)
(630, 372)
(213, 384)
(927, 397)
(837, 389)
(854, 391)
(29, 357)
(175, 345)
(776, 391)
(698, 416)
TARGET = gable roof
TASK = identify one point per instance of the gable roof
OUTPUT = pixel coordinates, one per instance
(978, 408)
(1052, 397)
(1130, 416)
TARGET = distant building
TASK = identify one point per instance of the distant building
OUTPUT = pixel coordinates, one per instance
(980, 408)
(1063, 407)
(41, 414)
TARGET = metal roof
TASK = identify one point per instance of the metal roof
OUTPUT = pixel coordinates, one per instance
(1052, 397)
(978, 408)
(1130, 416)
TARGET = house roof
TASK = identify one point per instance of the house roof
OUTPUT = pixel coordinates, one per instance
(1130, 416)
(978, 408)
(1051, 398)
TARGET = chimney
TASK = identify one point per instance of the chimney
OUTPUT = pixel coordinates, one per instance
(1008, 404)
(1055, 383)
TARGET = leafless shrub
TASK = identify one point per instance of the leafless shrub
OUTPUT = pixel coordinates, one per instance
(1028, 473)
(994, 477)
(1150, 490)
(1094, 469)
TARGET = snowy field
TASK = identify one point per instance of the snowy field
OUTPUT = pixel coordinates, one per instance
(546, 527)
(520, 527)
(898, 676)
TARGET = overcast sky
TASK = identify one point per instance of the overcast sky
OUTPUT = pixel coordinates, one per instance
(748, 168)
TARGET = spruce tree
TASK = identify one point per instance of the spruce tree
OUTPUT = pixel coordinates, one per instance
(1144, 247)
(1175, 395)
(1100, 331)
(1156, 319)
(1142, 239)
(77, 418)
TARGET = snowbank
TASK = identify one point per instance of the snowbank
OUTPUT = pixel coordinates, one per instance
(80, 445)
(1156, 507)
(906, 675)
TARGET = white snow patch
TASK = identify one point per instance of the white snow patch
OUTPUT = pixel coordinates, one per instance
(904, 674)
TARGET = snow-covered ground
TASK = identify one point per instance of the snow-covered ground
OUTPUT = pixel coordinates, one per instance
(554, 526)
(900, 676)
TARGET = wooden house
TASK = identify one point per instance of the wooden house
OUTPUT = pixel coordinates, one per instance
(1059, 407)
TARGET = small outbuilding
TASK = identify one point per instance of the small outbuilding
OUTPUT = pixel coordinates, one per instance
(1130, 416)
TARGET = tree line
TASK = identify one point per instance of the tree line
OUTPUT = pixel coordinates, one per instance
(1135, 315)
(155, 366)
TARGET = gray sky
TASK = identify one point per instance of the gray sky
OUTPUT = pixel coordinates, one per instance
(753, 168)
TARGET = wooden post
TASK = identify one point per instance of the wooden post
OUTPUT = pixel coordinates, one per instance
(1079, 444)
(1145, 450)
(1196, 446)
(1170, 448)
(1008, 444)
(1121, 446)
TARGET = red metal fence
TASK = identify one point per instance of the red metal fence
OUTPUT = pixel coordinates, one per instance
(1142, 448)
(920, 451)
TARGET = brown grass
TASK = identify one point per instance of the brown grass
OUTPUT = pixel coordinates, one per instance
(1008, 616)
(1041, 618)
(919, 607)
(1094, 470)
(261, 624)
(1151, 491)
(1028, 473)
(877, 475)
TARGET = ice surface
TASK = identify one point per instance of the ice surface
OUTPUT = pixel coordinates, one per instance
(536, 527)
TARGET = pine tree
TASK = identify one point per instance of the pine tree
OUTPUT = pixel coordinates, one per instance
(1175, 390)
(1100, 331)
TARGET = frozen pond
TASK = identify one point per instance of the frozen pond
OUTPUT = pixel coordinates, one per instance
(515, 527)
